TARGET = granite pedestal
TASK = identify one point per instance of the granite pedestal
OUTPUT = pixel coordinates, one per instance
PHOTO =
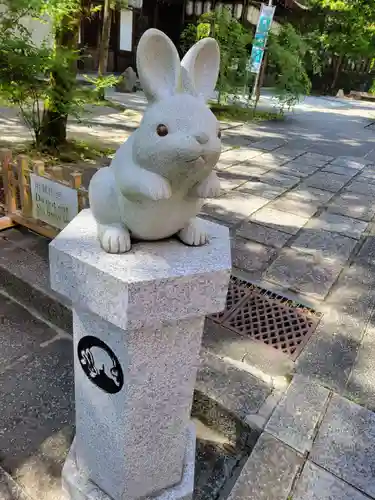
(137, 322)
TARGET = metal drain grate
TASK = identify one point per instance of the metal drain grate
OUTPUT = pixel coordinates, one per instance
(237, 290)
(268, 317)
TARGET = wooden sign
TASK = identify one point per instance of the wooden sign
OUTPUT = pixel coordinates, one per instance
(52, 202)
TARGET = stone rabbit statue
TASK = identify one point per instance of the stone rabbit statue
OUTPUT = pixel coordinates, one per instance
(158, 179)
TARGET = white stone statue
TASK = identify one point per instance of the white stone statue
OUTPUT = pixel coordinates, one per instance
(158, 179)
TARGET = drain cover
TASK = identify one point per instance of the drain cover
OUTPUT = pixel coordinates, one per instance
(268, 317)
(237, 290)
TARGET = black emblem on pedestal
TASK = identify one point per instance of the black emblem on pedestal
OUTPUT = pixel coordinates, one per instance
(100, 364)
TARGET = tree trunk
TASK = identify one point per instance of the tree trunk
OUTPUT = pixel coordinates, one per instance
(104, 42)
(337, 71)
(62, 83)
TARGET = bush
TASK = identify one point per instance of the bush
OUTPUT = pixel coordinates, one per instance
(233, 40)
(286, 55)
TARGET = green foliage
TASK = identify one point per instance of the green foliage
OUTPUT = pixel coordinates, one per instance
(342, 30)
(188, 37)
(101, 83)
(23, 71)
(41, 80)
(233, 40)
(242, 114)
(286, 55)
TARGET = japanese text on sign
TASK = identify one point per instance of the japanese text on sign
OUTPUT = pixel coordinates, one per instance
(52, 202)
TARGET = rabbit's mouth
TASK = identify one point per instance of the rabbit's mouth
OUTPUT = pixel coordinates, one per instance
(199, 160)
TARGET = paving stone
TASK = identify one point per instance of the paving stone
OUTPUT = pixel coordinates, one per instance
(263, 189)
(235, 155)
(264, 163)
(361, 384)
(337, 169)
(276, 158)
(20, 333)
(272, 362)
(345, 444)
(365, 188)
(319, 157)
(353, 205)
(224, 342)
(367, 173)
(312, 162)
(277, 219)
(295, 206)
(287, 150)
(324, 244)
(9, 489)
(251, 256)
(268, 144)
(366, 254)
(350, 161)
(234, 207)
(298, 168)
(262, 234)
(331, 352)
(229, 182)
(247, 170)
(235, 389)
(304, 273)
(327, 181)
(296, 417)
(269, 472)
(37, 402)
(317, 484)
(338, 224)
(227, 344)
(310, 195)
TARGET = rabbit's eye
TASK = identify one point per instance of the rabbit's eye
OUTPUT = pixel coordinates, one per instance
(162, 130)
(219, 134)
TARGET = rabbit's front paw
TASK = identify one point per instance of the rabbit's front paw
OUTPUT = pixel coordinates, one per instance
(210, 187)
(156, 187)
(194, 234)
(114, 239)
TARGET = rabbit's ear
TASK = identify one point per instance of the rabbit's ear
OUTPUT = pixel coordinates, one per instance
(158, 65)
(202, 63)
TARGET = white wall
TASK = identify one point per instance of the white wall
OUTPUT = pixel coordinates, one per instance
(126, 29)
(41, 31)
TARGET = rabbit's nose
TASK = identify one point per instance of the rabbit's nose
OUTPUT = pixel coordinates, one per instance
(202, 138)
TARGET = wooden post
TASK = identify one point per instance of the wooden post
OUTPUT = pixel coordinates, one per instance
(38, 168)
(24, 185)
(9, 182)
(75, 182)
(57, 173)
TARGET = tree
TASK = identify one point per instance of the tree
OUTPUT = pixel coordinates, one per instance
(342, 29)
(41, 79)
(104, 40)
(286, 55)
(66, 16)
(233, 40)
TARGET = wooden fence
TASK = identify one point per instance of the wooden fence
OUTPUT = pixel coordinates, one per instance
(16, 202)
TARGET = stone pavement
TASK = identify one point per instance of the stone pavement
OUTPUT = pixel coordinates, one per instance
(316, 446)
(302, 225)
(297, 196)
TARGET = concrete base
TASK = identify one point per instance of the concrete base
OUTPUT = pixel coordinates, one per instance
(77, 486)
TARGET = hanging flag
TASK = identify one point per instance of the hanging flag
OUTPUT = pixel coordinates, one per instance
(260, 39)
